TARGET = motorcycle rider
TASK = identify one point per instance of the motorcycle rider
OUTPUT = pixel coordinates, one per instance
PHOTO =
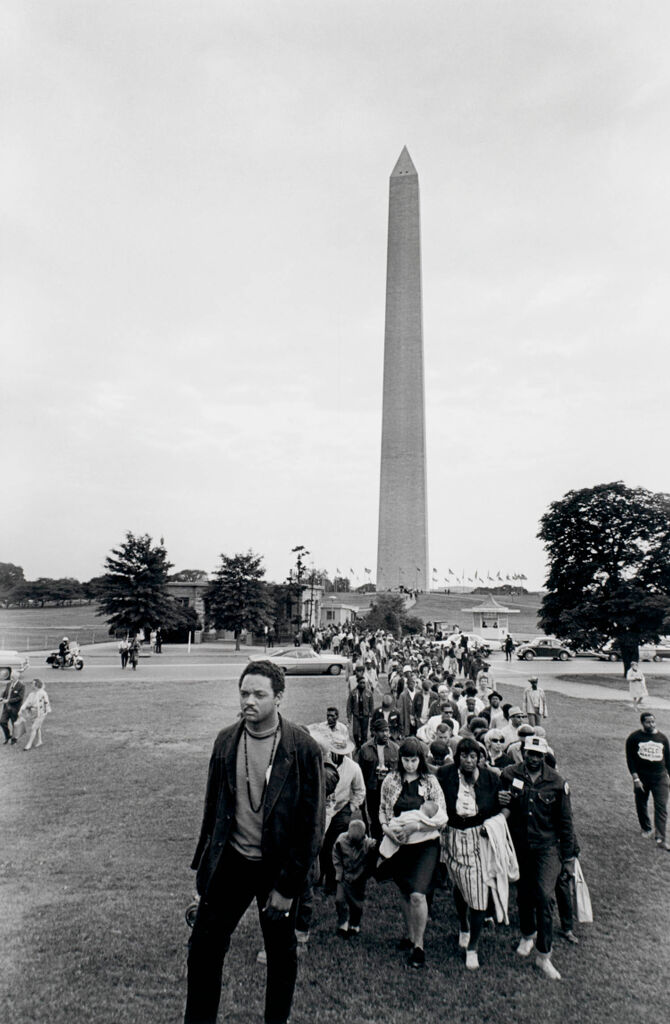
(64, 651)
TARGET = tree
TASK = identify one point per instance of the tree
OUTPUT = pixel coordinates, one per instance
(609, 567)
(10, 576)
(388, 612)
(132, 592)
(238, 597)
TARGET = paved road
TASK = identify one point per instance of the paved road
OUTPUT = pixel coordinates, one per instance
(212, 663)
(517, 673)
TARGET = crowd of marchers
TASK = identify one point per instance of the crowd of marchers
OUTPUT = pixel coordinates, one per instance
(427, 779)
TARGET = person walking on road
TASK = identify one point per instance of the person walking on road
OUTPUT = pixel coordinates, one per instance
(648, 759)
(637, 685)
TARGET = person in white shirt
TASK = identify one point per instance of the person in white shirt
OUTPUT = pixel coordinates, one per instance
(34, 710)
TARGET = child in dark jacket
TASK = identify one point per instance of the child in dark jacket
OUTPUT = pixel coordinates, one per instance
(354, 856)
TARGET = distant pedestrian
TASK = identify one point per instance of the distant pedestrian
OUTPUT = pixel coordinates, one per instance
(124, 648)
(508, 647)
(158, 646)
(534, 702)
(637, 685)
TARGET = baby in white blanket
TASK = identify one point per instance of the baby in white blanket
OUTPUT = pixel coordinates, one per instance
(428, 814)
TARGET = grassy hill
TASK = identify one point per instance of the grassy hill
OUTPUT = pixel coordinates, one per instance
(434, 607)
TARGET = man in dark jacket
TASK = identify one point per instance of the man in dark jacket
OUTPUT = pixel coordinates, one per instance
(376, 759)
(537, 801)
(12, 699)
(262, 828)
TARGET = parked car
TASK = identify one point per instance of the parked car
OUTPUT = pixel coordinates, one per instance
(304, 661)
(544, 647)
(11, 660)
(646, 652)
(475, 642)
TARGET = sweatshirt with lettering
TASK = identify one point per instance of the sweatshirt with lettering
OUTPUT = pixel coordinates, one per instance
(648, 754)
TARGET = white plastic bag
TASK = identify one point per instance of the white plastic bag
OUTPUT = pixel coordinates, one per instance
(582, 896)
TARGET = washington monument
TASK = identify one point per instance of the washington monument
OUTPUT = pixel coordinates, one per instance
(402, 552)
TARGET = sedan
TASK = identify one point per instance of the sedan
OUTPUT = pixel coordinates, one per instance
(304, 661)
(544, 647)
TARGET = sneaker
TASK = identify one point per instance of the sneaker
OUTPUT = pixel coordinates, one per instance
(544, 964)
(261, 957)
(417, 958)
(354, 929)
(569, 936)
(525, 947)
(646, 833)
(662, 845)
(463, 940)
(471, 959)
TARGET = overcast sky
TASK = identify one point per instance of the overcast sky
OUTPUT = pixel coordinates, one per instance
(194, 210)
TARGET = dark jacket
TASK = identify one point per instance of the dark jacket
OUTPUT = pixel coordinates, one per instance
(417, 704)
(486, 795)
(293, 812)
(367, 704)
(540, 811)
(368, 761)
(13, 694)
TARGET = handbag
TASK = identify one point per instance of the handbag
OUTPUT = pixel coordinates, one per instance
(582, 896)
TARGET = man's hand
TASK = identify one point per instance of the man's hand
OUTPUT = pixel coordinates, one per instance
(277, 907)
(504, 797)
(568, 867)
(637, 784)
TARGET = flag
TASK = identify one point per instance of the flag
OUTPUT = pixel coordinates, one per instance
(507, 578)
(351, 571)
(337, 571)
(434, 570)
(368, 571)
(475, 574)
(451, 573)
(498, 576)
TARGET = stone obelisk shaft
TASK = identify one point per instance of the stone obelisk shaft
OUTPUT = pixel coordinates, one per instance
(402, 554)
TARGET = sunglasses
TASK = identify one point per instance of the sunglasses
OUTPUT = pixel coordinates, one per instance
(496, 741)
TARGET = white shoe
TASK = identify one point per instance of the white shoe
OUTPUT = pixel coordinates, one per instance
(463, 940)
(525, 947)
(261, 957)
(471, 959)
(544, 964)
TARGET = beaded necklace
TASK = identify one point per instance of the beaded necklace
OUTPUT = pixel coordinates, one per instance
(267, 772)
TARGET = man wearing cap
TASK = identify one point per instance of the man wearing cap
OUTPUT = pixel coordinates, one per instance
(376, 759)
(648, 759)
(517, 718)
(360, 706)
(347, 797)
(534, 702)
(536, 801)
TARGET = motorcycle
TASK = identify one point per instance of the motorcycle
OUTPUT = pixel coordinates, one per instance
(73, 659)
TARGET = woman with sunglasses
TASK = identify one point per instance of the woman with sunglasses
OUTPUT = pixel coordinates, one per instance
(496, 756)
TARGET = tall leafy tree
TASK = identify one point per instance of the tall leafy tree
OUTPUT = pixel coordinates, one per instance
(238, 596)
(609, 567)
(132, 592)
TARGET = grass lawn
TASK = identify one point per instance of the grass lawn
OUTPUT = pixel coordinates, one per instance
(657, 685)
(99, 826)
(42, 628)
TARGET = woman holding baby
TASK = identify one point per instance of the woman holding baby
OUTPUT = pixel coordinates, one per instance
(411, 814)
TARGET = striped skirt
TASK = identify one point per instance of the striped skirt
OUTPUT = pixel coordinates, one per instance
(464, 857)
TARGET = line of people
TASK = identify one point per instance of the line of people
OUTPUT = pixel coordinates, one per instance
(23, 715)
